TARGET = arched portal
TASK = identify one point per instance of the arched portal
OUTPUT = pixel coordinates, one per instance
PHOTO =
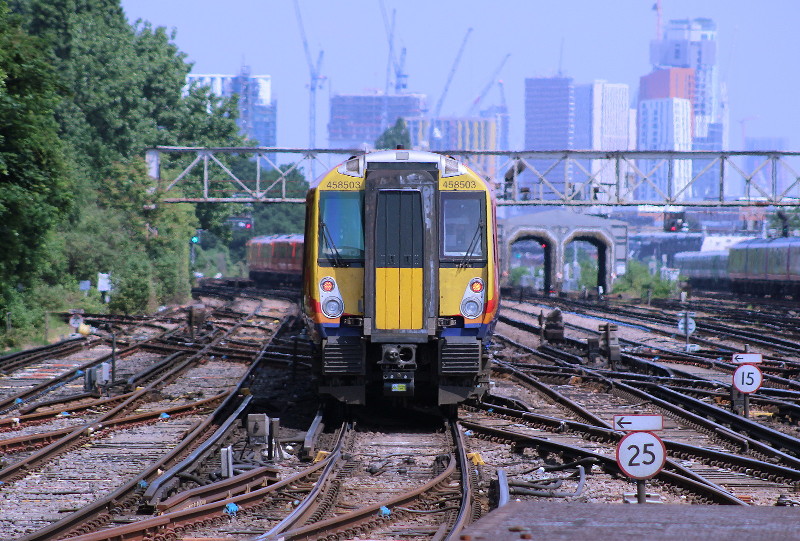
(535, 249)
(602, 245)
(555, 229)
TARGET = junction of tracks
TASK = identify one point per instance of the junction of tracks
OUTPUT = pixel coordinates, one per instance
(209, 428)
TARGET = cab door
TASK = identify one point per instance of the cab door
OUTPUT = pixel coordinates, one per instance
(399, 252)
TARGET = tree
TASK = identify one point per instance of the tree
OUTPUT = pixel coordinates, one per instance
(34, 187)
(395, 136)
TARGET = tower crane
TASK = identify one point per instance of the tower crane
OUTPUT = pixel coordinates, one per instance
(439, 103)
(476, 102)
(437, 111)
(503, 113)
(315, 80)
(400, 77)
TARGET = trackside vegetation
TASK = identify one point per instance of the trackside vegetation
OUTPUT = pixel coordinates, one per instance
(83, 94)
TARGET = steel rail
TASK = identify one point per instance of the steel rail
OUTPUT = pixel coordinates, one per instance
(751, 435)
(99, 512)
(747, 465)
(59, 446)
(14, 361)
(173, 522)
(220, 490)
(21, 443)
(366, 518)
(466, 509)
(778, 445)
(714, 428)
(703, 489)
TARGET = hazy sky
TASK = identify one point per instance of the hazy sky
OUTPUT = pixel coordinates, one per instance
(602, 39)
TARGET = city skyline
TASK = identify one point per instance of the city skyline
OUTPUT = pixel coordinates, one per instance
(542, 39)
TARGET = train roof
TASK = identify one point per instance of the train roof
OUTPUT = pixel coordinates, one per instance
(767, 243)
(269, 239)
(357, 165)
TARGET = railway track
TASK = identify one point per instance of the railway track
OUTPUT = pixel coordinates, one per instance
(136, 432)
(147, 455)
(739, 443)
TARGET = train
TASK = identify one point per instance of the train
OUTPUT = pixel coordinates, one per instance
(276, 260)
(755, 266)
(400, 279)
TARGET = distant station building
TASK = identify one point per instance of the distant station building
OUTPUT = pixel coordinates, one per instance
(257, 109)
(357, 120)
(554, 230)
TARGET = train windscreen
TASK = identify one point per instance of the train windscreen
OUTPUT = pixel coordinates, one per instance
(341, 228)
(463, 225)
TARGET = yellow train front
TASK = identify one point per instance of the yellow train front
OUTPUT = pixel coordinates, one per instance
(400, 278)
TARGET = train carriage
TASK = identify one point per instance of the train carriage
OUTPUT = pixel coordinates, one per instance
(755, 266)
(275, 260)
(400, 284)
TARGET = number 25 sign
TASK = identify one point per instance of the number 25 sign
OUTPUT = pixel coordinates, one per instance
(641, 455)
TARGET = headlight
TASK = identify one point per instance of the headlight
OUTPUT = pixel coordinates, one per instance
(332, 307)
(471, 307)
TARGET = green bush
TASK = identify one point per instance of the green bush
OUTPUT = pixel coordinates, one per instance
(637, 280)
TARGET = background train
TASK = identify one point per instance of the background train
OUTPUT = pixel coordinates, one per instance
(400, 279)
(276, 260)
(755, 266)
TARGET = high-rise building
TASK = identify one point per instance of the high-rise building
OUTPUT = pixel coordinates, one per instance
(458, 133)
(357, 120)
(602, 111)
(668, 83)
(693, 44)
(257, 110)
(602, 122)
(550, 125)
(664, 124)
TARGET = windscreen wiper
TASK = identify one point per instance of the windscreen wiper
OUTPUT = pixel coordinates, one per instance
(338, 261)
(473, 245)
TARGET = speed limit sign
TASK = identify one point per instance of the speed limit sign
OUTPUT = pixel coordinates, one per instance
(747, 378)
(641, 455)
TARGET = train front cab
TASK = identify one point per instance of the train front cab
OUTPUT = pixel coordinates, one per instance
(418, 292)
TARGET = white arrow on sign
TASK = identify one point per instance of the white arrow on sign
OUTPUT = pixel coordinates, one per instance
(638, 423)
(641, 455)
(740, 358)
(747, 378)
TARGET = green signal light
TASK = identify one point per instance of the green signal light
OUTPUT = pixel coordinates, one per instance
(195, 239)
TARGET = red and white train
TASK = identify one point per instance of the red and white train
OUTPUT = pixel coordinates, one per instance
(276, 260)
